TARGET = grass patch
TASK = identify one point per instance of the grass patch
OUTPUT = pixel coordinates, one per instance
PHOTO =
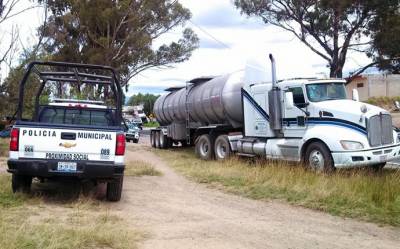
(4, 146)
(141, 168)
(7, 198)
(358, 193)
(151, 124)
(33, 227)
(383, 102)
(31, 222)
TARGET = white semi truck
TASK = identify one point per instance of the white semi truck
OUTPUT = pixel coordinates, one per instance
(305, 120)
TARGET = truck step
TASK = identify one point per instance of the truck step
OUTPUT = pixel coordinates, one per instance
(245, 154)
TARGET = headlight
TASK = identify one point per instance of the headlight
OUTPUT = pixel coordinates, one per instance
(351, 145)
(398, 138)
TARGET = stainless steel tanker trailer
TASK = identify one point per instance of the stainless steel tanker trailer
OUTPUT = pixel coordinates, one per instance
(307, 119)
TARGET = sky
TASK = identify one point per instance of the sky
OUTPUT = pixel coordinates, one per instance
(228, 41)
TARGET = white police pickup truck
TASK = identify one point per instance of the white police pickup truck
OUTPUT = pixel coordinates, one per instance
(69, 138)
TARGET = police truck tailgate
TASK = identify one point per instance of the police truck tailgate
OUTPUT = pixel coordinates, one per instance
(67, 144)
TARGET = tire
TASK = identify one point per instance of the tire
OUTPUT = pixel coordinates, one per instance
(136, 141)
(152, 139)
(204, 147)
(319, 158)
(114, 189)
(163, 141)
(170, 142)
(21, 183)
(378, 167)
(157, 139)
(222, 148)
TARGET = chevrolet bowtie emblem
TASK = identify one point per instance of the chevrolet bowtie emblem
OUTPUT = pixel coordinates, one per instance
(67, 145)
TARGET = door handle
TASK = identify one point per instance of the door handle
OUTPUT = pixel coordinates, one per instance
(68, 135)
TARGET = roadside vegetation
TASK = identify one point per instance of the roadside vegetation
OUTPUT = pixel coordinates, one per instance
(359, 193)
(151, 124)
(35, 221)
(386, 103)
(4, 144)
(141, 168)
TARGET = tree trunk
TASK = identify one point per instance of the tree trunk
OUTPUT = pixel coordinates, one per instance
(336, 70)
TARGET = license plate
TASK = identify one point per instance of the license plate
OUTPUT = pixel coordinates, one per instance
(383, 158)
(66, 166)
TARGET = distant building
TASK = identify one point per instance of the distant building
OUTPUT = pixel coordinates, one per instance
(375, 85)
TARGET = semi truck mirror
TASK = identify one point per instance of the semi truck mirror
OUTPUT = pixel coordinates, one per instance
(289, 104)
(356, 97)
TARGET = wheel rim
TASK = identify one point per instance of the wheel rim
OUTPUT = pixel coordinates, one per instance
(204, 148)
(316, 160)
(221, 150)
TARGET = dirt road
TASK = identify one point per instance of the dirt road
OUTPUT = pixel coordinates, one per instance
(178, 213)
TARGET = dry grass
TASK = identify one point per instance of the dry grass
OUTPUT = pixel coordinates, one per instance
(33, 222)
(4, 146)
(350, 193)
(383, 102)
(140, 168)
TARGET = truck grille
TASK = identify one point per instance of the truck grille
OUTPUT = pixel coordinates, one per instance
(380, 130)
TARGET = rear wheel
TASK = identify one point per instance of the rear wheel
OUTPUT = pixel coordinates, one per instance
(157, 139)
(163, 141)
(170, 142)
(21, 183)
(319, 158)
(204, 147)
(153, 139)
(222, 148)
(114, 189)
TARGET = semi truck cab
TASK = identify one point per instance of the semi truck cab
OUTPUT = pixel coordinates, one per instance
(320, 125)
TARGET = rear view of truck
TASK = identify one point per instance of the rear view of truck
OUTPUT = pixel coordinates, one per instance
(62, 132)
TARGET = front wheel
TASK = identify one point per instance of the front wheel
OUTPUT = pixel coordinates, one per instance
(21, 183)
(378, 167)
(114, 189)
(319, 158)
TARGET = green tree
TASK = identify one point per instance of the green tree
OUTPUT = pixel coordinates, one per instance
(386, 40)
(147, 100)
(118, 33)
(328, 27)
(9, 90)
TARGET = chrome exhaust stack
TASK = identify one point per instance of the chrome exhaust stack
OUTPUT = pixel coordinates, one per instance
(274, 101)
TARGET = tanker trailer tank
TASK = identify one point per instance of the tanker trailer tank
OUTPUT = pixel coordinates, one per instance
(215, 101)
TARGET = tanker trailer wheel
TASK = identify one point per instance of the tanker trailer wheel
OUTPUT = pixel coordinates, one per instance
(157, 139)
(319, 158)
(153, 139)
(204, 147)
(222, 148)
(163, 141)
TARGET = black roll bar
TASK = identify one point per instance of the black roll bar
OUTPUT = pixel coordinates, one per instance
(57, 76)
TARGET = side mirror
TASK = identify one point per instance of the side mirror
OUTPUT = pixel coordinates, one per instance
(356, 97)
(289, 103)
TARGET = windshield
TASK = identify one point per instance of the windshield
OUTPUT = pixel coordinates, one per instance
(326, 91)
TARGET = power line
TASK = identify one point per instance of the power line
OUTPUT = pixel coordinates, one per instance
(210, 35)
